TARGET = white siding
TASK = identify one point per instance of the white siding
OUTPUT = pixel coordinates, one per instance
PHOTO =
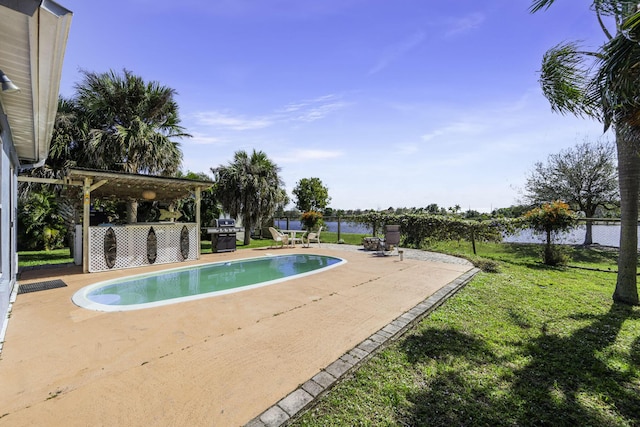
(8, 202)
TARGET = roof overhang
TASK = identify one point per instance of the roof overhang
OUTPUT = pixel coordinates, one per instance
(34, 36)
(126, 186)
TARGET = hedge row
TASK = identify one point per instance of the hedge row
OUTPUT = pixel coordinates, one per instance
(417, 229)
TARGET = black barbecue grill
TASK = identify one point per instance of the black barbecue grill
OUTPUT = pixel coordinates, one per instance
(223, 235)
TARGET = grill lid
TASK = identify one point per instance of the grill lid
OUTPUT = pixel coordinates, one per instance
(225, 222)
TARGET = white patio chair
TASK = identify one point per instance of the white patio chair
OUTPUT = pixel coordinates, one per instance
(313, 237)
(277, 236)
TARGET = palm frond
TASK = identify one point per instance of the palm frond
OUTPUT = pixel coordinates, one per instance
(539, 5)
(564, 79)
(617, 82)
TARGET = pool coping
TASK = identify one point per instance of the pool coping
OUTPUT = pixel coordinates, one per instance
(307, 395)
(81, 296)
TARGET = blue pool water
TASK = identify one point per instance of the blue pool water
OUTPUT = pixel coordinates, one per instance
(184, 284)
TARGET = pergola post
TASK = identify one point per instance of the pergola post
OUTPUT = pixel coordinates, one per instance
(198, 231)
(86, 211)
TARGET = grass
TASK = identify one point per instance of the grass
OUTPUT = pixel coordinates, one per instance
(527, 346)
(33, 258)
(604, 259)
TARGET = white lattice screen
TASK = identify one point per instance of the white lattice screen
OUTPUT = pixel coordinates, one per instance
(131, 244)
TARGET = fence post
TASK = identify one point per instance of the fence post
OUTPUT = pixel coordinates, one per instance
(473, 240)
(338, 227)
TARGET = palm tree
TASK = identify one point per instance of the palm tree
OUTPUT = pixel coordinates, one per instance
(67, 149)
(249, 187)
(604, 85)
(132, 125)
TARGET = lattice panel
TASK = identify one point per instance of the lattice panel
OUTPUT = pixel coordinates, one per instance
(130, 249)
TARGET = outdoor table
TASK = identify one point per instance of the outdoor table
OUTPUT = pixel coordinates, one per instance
(292, 236)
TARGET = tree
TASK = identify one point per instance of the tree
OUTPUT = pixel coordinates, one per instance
(250, 188)
(132, 125)
(67, 149)
(311, 195)
(209, 209)
(433, 209)
(69, 140)
(603, 85)
(551, 218)
(39, 225)
(513, 211)
(584, 176)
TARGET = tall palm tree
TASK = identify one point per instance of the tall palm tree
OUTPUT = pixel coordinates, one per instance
(249, 187)
(133, 125)
(603, 84)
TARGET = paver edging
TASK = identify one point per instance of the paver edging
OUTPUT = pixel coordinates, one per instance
(306, 395)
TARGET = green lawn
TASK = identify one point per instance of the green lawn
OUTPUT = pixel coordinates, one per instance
(526, 346)
(33, 258)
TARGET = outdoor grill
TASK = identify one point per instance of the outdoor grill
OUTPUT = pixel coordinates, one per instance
(223, 235)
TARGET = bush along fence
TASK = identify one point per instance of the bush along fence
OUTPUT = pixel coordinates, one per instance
(418, 229)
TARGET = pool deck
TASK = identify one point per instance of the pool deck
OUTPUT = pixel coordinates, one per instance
(255, 356)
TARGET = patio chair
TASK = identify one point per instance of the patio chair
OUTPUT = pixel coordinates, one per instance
(313, 237)
(277, 236)
(391, 240)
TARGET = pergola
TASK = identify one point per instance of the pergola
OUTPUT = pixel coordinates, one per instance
(124, 186)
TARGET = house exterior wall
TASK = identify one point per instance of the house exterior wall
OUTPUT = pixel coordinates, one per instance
(8, 235)
(37, 31)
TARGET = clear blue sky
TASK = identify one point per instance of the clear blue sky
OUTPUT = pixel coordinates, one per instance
(397, 103)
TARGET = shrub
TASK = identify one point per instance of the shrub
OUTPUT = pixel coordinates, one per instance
(552, 219)
(555, 255)
(311, 220)
(418, 229)
(487, 265)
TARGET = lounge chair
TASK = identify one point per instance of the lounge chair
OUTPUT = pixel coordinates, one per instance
(313, 237)
(391, 240)
(277, 236)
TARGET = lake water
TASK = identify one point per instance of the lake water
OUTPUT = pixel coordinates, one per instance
(331, 226)
(605, 235)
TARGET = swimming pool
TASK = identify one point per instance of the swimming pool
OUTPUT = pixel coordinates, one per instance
(200, 281)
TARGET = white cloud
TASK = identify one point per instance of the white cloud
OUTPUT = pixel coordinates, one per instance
(299, 105)
(464, 24)
(203, 139)
(318, 112)
(398, 50)
(407, 149)
(308, 155)
(310, 110)
(302, 111)
(227, 121)
(458, 128)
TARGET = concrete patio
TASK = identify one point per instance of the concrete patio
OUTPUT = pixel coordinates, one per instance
(220, 361)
